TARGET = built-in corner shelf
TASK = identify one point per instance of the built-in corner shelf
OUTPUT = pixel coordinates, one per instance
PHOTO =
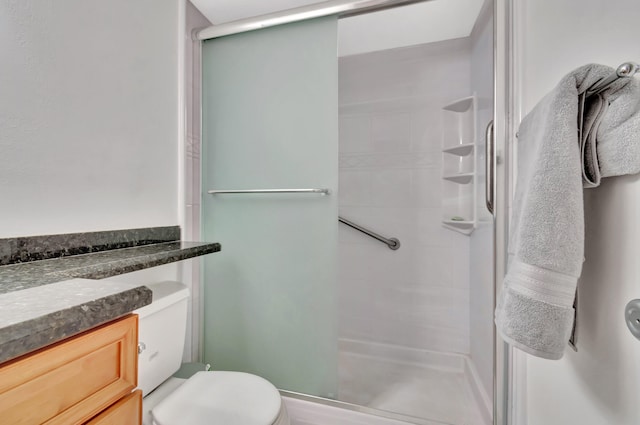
(461, 178)
(460, 150)
(459, 159)
(460, 226)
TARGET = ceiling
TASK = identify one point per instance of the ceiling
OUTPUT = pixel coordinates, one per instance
(419, 23)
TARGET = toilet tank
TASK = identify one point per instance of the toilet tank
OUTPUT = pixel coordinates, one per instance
(161, 334)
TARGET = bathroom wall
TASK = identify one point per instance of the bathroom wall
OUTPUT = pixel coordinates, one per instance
(600, 383)
(415, 298)
(192, 190)
(89, 115)
(192, 59)
(481, 241)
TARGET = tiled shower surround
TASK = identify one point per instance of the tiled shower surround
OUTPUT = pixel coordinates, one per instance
(390, 181)
(401, 312)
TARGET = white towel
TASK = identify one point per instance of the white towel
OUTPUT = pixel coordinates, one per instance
(535, 309)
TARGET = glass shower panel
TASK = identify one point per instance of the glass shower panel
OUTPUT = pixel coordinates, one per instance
(270, 121)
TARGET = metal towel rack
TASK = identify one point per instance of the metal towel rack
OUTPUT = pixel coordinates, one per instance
(392, 243)
(627, 69)
(266, 191)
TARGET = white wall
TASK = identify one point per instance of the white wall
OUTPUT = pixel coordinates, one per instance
(191, 231)
(600, 384)
(88, 115)
(390, 181)
(410, 25)
(481, 255)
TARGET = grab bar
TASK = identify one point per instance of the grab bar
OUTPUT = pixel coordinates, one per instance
(392, 243)
(322, 191)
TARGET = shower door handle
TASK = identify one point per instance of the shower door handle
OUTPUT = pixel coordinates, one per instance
(490, 167)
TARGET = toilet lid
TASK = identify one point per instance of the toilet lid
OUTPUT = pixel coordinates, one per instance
(225, 398)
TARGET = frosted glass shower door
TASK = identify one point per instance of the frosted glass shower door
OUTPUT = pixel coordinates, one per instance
(270, 121)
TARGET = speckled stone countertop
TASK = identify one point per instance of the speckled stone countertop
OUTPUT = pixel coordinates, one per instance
(34, 318)
(98, 265)
(48, 294)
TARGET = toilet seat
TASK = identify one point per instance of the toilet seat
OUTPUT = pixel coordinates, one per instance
(225, 398)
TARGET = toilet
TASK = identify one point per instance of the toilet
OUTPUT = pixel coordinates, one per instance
(206, 398)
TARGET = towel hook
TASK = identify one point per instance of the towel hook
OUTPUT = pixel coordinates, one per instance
(632, 317)
(627, 69)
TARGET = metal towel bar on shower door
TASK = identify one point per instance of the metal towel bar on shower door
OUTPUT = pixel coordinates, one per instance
(266, 191)
(392, 243)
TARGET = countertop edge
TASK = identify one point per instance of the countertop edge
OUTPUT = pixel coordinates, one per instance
(128, 265)
(25, 337)
(30, 335)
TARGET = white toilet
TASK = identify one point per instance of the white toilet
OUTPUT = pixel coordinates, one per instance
(207, 398)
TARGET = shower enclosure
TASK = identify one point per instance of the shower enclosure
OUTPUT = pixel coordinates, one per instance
(270, 296)
(392, 141)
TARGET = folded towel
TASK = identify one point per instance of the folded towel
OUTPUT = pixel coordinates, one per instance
(610, 138)
(535, 311)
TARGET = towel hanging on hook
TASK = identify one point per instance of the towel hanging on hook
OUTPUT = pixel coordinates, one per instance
(606, 134)
(535, 309)
(588, 147)
(626, 70)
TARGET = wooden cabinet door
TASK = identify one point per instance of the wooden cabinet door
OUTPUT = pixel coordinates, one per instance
(74, 380)
(128, 411)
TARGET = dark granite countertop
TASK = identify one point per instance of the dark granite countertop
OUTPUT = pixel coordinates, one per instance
(98, 265)
(58, 292)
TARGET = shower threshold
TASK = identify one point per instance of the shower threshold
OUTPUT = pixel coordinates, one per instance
(311, 410)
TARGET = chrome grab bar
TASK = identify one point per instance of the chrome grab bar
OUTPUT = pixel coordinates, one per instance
(392, 243)
(217, 192)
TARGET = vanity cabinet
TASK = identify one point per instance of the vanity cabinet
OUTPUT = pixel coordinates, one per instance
(85, 379)
(128, 410)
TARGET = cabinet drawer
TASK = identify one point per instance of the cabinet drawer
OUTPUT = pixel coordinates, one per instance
(74, 380)
(127, 411)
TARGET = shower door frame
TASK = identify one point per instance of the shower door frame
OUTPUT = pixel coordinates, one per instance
(506, 119)
(505, 405)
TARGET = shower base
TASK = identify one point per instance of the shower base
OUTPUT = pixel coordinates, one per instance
(439, 387)
(308, 412)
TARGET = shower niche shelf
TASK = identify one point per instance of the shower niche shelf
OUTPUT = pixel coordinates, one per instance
(459, 163)
(460, 226)
(460, 150)
(460, 178)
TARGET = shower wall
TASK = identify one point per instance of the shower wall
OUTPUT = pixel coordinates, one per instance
(400, 303)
